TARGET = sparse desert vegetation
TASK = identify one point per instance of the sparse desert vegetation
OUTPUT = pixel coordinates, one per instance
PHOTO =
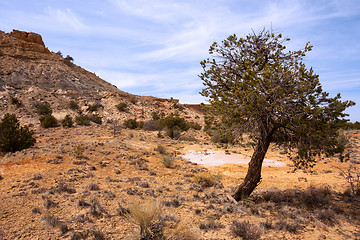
(118, 172)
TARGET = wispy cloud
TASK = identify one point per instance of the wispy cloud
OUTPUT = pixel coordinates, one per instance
(154, 47)
(65, 17)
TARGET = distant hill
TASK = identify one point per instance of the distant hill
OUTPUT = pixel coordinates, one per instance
(32, 74)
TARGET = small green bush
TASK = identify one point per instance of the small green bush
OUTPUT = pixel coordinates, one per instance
(93, 108)
(15, 101)
(95, 118)
(155, 116)
(122, 107)
(43, 109)
(131, 123)
(82, 120)
(173, 125)
(48, 121)
(13, 137)
(67, 121)
(73, 105)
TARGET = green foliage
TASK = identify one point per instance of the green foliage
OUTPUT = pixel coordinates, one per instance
(178, 106)
(155, 116)
(93, 108)
(79, 151)
(95, 118)
(68, 57)
(15, 101)
(195, 126)
(59, 53)
(173, 125)
(131, 123)
(256, 87)
(73, 105)
(355, 125)
(122, 107)
(13, 137)
(82, 120)
(48, 121)
(43, 109)
(67, 121)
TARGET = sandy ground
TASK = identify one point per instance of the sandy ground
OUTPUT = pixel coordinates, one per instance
(49, 182)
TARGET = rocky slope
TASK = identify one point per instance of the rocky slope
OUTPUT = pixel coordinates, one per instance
(33, 74)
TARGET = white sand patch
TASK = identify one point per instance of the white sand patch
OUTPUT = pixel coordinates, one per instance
(217, 158)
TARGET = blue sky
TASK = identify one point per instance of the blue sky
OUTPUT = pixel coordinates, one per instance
(155, 47)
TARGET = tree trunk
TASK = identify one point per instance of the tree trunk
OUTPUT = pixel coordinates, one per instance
(253, 176)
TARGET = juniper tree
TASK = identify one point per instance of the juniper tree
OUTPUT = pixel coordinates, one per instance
(13, 137)
(255, 86)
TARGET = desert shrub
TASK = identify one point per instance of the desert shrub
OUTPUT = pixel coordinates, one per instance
(173, 133)
(155, 116)
(161, 149)
(168, 161)
(210, 224)
(178, 106)
(13, 137)
(67, 121)
(43, 108)
(132, 99)
(207, 179)
(311, 197)
(146, 216)
(327, 216)
(95, 118)
(48, 121)
(96, 209)
(195, 126)
(188, 138)
(352, 177)
(173, 125)
(73, 105)
(316, 197)
(131, 123)
(246, 230)
(15, 101)
(51, 220)
(122, 107)
(70, 58)
(93, 107)
(79, 151)
(151, 125)
(82, 120)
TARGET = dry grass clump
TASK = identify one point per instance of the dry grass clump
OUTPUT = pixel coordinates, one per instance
(207, 179)
(352, 177)
(312, 197)
(146, 216)
(168, 161)
(246, 230)
(161, 149)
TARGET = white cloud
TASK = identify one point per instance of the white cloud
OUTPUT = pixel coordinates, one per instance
(65, 17)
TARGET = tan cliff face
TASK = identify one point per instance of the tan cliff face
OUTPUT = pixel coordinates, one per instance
(32, 73)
